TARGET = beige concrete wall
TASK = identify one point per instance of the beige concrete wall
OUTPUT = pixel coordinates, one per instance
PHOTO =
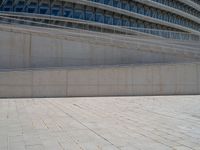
(160, 79)
(32, 48)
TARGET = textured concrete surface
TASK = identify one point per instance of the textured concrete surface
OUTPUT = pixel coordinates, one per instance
(104, 123)
(131, 80)
(41, 48)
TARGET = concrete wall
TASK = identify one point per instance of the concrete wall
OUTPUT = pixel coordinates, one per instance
(165, 79)
(20, 48)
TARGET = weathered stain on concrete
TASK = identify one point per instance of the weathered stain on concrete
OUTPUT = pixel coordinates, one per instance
(155, 79)
(22, 48)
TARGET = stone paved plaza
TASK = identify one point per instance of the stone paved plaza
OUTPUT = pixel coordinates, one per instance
(111, 123)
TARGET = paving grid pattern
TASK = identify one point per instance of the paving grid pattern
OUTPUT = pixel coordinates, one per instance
(104, 123)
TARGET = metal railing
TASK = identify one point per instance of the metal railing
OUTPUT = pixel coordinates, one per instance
(69, 23)
(167, 33)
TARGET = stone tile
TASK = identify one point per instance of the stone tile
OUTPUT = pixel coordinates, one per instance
(106, 123)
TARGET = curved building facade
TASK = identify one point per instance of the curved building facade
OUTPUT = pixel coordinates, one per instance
(172, 15)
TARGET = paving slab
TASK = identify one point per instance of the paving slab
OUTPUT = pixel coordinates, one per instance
(101, 123)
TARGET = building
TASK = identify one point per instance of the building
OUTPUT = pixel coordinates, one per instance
(38, 58)
(170, 15)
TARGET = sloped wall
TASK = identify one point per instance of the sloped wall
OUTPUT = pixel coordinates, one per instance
(40, 49)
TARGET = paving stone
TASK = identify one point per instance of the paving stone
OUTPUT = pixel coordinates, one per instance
(103, 123)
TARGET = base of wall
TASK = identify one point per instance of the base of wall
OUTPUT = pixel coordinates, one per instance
(159, 79)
